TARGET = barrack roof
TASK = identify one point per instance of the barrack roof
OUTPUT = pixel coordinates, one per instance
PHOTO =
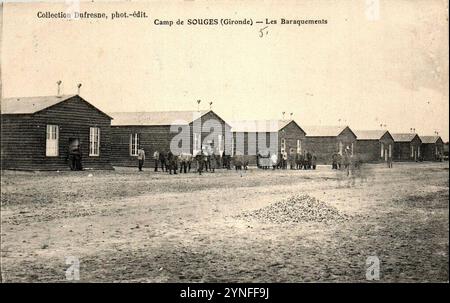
(324, 130)
(375, 134)
(429, 139)
(403, 137)
(255, 126)
(155, 118)
(30, 105)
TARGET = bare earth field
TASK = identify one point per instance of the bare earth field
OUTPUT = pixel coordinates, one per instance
(126, 226)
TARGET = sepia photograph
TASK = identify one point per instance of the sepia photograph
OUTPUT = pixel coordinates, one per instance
(195, 141)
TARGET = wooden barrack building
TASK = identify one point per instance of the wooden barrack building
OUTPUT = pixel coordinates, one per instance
(155, 131)
(407, 147)
(374, 145)
(37, 133)
(432, 148)
(324, 141)
(253, 137)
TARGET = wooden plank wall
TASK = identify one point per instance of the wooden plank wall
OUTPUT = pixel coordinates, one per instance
(24, 143)
(152, 138)
(402, 150)
(324, 147)
(18, 141)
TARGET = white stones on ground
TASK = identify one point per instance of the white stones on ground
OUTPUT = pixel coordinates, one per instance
(298, 208)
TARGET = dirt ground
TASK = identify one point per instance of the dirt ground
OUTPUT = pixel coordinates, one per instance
(126, 226)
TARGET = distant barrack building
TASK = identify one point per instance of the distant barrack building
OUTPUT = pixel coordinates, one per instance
(253, 137)
(154, 131)
(38, 132)
(432, 148)
(374, 145)
(406, 147)
(324, 141)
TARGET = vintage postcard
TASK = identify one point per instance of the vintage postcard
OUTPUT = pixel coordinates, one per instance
(224, 141)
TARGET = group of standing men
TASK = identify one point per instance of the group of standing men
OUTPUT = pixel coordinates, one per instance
(307, 160)
(167, 161)
(206, 160)
(281, 160)
(342, 161)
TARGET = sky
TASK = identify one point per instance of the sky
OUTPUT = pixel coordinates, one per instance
(361, 69)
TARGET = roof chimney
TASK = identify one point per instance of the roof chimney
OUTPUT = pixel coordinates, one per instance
(78, 88)
(59, 87)
(210, 105)
(198, 105)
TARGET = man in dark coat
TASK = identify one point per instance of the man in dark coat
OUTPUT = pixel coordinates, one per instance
(339, 161)
(172, 163)
(299, 160)
(224, 164)
(313, 160)
(334, 161)
(200, 162)
(308, 160)
(71, 158)
(212, 161)
(162, 160)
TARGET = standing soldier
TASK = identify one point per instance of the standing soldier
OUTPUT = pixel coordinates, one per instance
(212, 161)
(313, 160)
(389, 161)
(347, 161)
(171, 163)
(274, 160)
(224, 160)
(292, 158)
(71, 157)
(206, 153)
(305, 160)
(308, 160)
(334, 159)
(76, 158)
(283, 160)
(299, 160)
(205, 159)
(156, 158)
(141, 158)
(339, 161)
(162, 160)
(199, 160)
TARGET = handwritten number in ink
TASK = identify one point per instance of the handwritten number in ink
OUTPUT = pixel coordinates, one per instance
(263, 33)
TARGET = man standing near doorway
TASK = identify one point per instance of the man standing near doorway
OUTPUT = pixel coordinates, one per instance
(141, 158)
